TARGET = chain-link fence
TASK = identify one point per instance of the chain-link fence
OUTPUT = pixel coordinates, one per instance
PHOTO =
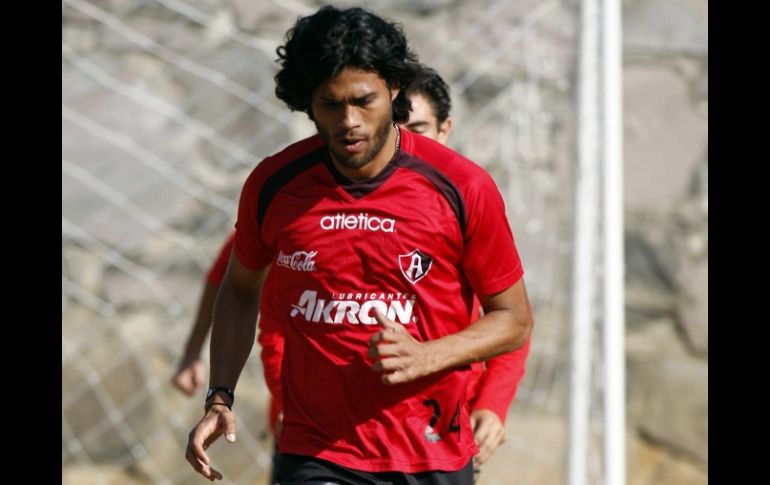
(166, 107)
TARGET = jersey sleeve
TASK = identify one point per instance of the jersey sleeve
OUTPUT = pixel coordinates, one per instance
(490, 261)
(216, 273)
(250, 247)
(501, 381)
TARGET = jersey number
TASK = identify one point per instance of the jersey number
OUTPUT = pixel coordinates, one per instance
(454, 423)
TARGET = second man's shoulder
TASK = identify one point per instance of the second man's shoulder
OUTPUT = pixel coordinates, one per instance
(455, 166)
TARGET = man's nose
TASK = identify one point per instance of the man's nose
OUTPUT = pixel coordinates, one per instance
(350, 117)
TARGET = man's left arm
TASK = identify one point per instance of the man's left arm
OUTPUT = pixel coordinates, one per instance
(497, 388)
(505, 326)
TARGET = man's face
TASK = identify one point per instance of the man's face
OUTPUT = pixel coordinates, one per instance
(422, 120)
(353, 114)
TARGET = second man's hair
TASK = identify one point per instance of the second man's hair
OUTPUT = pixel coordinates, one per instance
(428, 83)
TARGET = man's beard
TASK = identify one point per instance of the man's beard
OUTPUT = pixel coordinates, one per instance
(359, 160)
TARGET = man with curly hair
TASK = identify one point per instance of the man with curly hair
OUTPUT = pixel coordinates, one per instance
(377, 240)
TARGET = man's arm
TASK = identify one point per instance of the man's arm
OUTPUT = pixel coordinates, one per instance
(232, 338)
(504, 327)
(234, 330)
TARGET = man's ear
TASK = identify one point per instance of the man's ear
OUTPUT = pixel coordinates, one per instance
(394, 92)
(443, 131)
(310, 105)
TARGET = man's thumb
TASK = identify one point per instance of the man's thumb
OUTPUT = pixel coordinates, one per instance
(382, 320)
(230, 431)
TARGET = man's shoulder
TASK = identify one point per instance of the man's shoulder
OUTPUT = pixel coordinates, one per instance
(291, 153)
(290, 157)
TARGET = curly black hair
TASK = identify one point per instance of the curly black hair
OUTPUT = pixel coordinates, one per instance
(430, 84)
(321, 45)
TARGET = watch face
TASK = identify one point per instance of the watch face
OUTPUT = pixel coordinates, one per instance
(215, 389)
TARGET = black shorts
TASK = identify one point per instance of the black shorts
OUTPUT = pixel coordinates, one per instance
(296, 469)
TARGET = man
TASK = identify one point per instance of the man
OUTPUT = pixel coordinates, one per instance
(429, 95)
(493, 386)
(494, 383)
(377, 246)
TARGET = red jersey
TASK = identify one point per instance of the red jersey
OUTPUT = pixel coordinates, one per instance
(414, 242)
(493, 384)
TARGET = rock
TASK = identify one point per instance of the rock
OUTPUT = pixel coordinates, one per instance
(530, 438)
(383, 7)
(663, 138)
(667, 391)
(139, 30)
(648, 464)
(268, 21)
(675, 405)
(81, 474)
(79, 39)
(692, 271)
(83, 267)
(645, 343)
(666, 25)
(108, 405)
(692, 304)
(649, 285)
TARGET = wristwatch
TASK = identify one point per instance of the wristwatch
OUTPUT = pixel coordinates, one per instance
(215, 389)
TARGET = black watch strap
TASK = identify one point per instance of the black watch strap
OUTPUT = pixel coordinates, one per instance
(228, 391)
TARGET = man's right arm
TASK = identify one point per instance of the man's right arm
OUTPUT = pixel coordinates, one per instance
(190, 374)
(232, 337)
(233, 331)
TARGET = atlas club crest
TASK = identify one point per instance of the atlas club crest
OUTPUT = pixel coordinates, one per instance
(414, 265)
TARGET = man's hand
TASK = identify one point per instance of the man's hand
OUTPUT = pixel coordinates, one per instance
(488, 432)
(278, 425)
(189, 376)
(397, 355)
(218, 420)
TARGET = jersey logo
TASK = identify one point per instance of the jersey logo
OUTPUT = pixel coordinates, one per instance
(297, 261)
(354, 308)
(361, 222)
(415, 265)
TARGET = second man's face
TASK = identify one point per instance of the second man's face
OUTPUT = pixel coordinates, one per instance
(353, 114)
(422, 120)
